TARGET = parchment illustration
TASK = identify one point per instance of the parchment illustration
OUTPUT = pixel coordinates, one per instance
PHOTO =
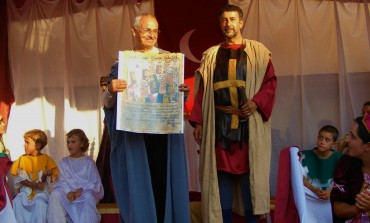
(151, 103)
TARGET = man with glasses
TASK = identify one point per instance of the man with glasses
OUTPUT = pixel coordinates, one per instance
(148, 170)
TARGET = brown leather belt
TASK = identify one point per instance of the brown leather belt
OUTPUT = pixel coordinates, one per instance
(230, 110)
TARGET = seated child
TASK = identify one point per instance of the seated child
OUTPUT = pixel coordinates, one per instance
(319, 163)
(318, 169)
(33, 172)
(78, 188)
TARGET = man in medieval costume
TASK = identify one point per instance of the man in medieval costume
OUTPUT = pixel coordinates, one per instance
(235, 93)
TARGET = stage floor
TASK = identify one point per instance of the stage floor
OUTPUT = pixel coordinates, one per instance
(110, 213)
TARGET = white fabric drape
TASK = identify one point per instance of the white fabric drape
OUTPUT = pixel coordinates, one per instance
(321, 55)
(58, 51)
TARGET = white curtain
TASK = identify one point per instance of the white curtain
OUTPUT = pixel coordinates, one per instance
(321, 55)
(59, 49)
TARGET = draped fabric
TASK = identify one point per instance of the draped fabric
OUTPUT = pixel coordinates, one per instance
(59, 49)
(189, 33)
(6, 93)
(321, 55)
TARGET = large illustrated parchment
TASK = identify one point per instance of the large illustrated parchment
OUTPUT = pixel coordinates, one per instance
(151, 103)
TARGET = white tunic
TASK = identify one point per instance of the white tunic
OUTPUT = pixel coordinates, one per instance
(75, 173)
(26, 210)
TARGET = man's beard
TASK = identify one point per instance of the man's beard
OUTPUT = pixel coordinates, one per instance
(229, 34)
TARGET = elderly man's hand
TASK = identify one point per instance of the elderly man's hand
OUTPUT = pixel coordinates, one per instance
(117, 85)
(185, 88)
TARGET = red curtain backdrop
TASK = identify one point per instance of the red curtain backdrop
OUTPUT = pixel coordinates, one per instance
(189, 27)
(6, 93)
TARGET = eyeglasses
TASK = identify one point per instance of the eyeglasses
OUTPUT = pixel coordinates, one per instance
(150, 31)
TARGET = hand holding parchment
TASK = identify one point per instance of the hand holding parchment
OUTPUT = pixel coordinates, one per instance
(117, 85)
(185, 88)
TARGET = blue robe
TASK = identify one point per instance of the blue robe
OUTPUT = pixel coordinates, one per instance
(131, 174)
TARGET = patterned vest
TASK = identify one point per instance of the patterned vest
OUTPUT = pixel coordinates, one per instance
(228, 85)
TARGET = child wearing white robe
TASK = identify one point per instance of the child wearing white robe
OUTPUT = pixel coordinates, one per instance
(33, 173)
(78, 188)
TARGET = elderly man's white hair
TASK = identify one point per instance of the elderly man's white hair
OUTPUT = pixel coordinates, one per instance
(138, 18)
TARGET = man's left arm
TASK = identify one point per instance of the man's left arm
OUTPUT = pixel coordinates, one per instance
(265, 97)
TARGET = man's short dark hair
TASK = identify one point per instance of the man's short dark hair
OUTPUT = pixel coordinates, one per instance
(332, 130)
(231, 8)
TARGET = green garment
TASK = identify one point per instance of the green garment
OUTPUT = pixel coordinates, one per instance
(319, 171)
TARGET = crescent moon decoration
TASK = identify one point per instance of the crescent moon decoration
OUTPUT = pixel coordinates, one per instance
(184, 46)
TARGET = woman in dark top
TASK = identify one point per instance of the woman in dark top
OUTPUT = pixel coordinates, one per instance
(350, 196)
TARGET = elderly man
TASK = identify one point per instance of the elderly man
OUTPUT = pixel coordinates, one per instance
(236, 93)
(149, 170)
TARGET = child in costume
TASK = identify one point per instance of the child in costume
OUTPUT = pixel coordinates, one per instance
(318, 168)
(33, 173)
(78, 188)
(319, 163)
